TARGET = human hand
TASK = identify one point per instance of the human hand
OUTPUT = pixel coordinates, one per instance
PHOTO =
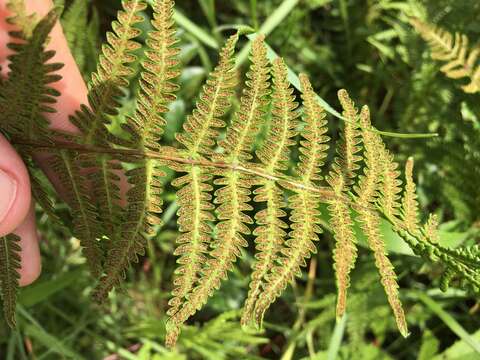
(16, 208)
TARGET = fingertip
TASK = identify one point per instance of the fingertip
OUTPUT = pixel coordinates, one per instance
(15, 193)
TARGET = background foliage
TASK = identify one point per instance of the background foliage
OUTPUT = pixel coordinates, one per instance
(366, 46)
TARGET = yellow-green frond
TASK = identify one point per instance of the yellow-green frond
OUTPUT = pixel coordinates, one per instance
(305, 216)
(275, 153)
(111, 76)
(391, 188)
(24, 21)
(247, 121)
(430, 229)
(201, 128)
(340, 180)
(367, 194)
(194, 215)
(157, 87)
(453, 49)
(144, 202)
(409, 210)
(234, 195)
(314, 146)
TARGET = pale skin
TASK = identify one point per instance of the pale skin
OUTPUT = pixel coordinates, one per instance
(16, 207)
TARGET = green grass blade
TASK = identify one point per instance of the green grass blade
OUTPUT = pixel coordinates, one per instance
(269, 25)
(449, 321)
(195, 30)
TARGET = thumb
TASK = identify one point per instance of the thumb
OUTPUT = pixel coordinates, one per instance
(15, 192)
(16, 210)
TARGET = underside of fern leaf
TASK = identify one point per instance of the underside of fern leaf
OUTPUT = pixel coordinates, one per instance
(9, 276)
(218, 172)
(145, 130)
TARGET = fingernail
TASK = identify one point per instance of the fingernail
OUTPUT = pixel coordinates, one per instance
(8, 193)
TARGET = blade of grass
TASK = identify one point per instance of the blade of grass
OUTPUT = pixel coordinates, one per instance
(41, 291)
(195, 30)
(254, 14)
(269, 25)
(337, 338)
(295, 81)
(449, 321)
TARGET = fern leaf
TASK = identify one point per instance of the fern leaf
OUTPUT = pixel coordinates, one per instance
(274, 155)
(367, 193)
(214, 101)
(106, 89)
(144, 198)
(234, 195)
(194, 197)
(389, 200)
(461, 61)
(111, 75)
(27, 95)
(246, 124)
(409, 201)
(9, 275)
(85, 223)
(340, 180)
(305, 216)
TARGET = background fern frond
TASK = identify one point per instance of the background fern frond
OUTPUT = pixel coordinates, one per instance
(9, 275)
(305, 216)
(462, 62)
(21, 19)
(340, 179)
(274, 154)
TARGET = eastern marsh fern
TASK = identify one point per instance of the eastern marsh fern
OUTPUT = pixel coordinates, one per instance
(363, 181)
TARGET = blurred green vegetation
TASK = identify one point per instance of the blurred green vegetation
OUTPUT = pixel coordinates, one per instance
(366, 46)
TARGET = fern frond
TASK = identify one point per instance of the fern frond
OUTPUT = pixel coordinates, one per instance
(26, 95)
(430, 229)
(246, 123)
(305, 216)
(9, 275)
(461, 60)
(105, 90)
(144, 198)
(200, 128)
(340, 180)
(389, 200)
(409, 211)
(111, 75)
(234, 195)
(274, 155)
(367, 193)
(194, 197)
(85, 222)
